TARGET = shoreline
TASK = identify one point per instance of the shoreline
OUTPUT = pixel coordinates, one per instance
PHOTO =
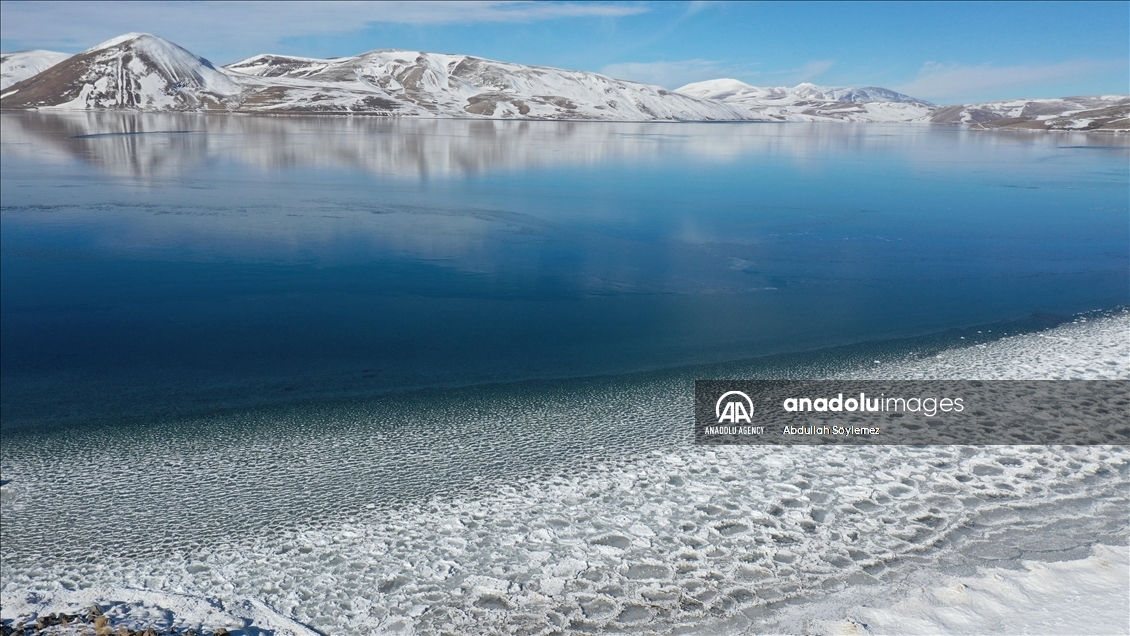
(787, 364)
(642, 537)
(391, 116)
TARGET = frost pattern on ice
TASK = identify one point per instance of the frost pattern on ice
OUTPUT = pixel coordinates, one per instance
(507, 518)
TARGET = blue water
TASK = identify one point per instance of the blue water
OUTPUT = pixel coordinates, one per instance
(216, 262)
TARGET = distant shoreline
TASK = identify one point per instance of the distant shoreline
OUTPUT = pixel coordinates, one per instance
(413, 117)
(346, 114)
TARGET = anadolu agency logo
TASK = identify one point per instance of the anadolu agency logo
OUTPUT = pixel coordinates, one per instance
(734, 407)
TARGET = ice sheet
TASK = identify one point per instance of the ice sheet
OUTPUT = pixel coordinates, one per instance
(663, 537)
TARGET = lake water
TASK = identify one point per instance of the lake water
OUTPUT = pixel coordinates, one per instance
(160, 264)
(396, 376)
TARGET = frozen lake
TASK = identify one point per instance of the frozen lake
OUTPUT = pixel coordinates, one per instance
(175, 264)
(436, 376)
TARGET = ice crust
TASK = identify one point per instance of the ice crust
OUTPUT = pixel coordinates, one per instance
(574, 510)
(138, 609)
(1086, 349)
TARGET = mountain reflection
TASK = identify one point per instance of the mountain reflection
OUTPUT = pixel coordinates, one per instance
(168, 145)
(146, 255)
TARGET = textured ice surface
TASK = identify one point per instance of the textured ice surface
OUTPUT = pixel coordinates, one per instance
(552, 506)
(138, 609)
(664, 540)
(1089, 348)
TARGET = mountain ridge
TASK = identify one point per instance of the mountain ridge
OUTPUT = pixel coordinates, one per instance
(143, 72)
(809, 102)
(136, 71)
(20, 65)
(728, 88)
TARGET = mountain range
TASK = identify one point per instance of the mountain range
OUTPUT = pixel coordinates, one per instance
(808, 102)
(142, 72)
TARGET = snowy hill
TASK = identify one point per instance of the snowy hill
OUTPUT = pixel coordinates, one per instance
(20, 65)
(1105, 112)
(134, 72)
(808, 102)
(727, 89)
(413, 82)
(141, 72)
(144, 72)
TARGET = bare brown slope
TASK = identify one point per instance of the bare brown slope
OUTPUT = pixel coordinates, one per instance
(57, 85)
(139, 72)
(1115, 117)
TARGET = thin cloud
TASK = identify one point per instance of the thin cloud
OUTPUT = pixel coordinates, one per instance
(672, 75)
(814, 69)
(806, 73)
(950, 81)
(698, 6)
(72, 26)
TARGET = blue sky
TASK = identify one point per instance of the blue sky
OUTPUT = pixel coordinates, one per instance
(946, 52)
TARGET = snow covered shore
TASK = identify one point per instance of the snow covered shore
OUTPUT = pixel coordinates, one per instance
(1084, 596)
(1086, 349)
(137, 611)
(662, 538)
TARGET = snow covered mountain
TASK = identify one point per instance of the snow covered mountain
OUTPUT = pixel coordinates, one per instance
(134, 72)
(1105, 112)
(144, 72)
(809, 102)
(412, 82)
(726, 89)
(141, 72)
(20, 65)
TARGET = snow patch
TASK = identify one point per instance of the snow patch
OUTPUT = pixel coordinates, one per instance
(20, 65)
(809, 102)
(121, 39)
(138, 609)
(1086, 596)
